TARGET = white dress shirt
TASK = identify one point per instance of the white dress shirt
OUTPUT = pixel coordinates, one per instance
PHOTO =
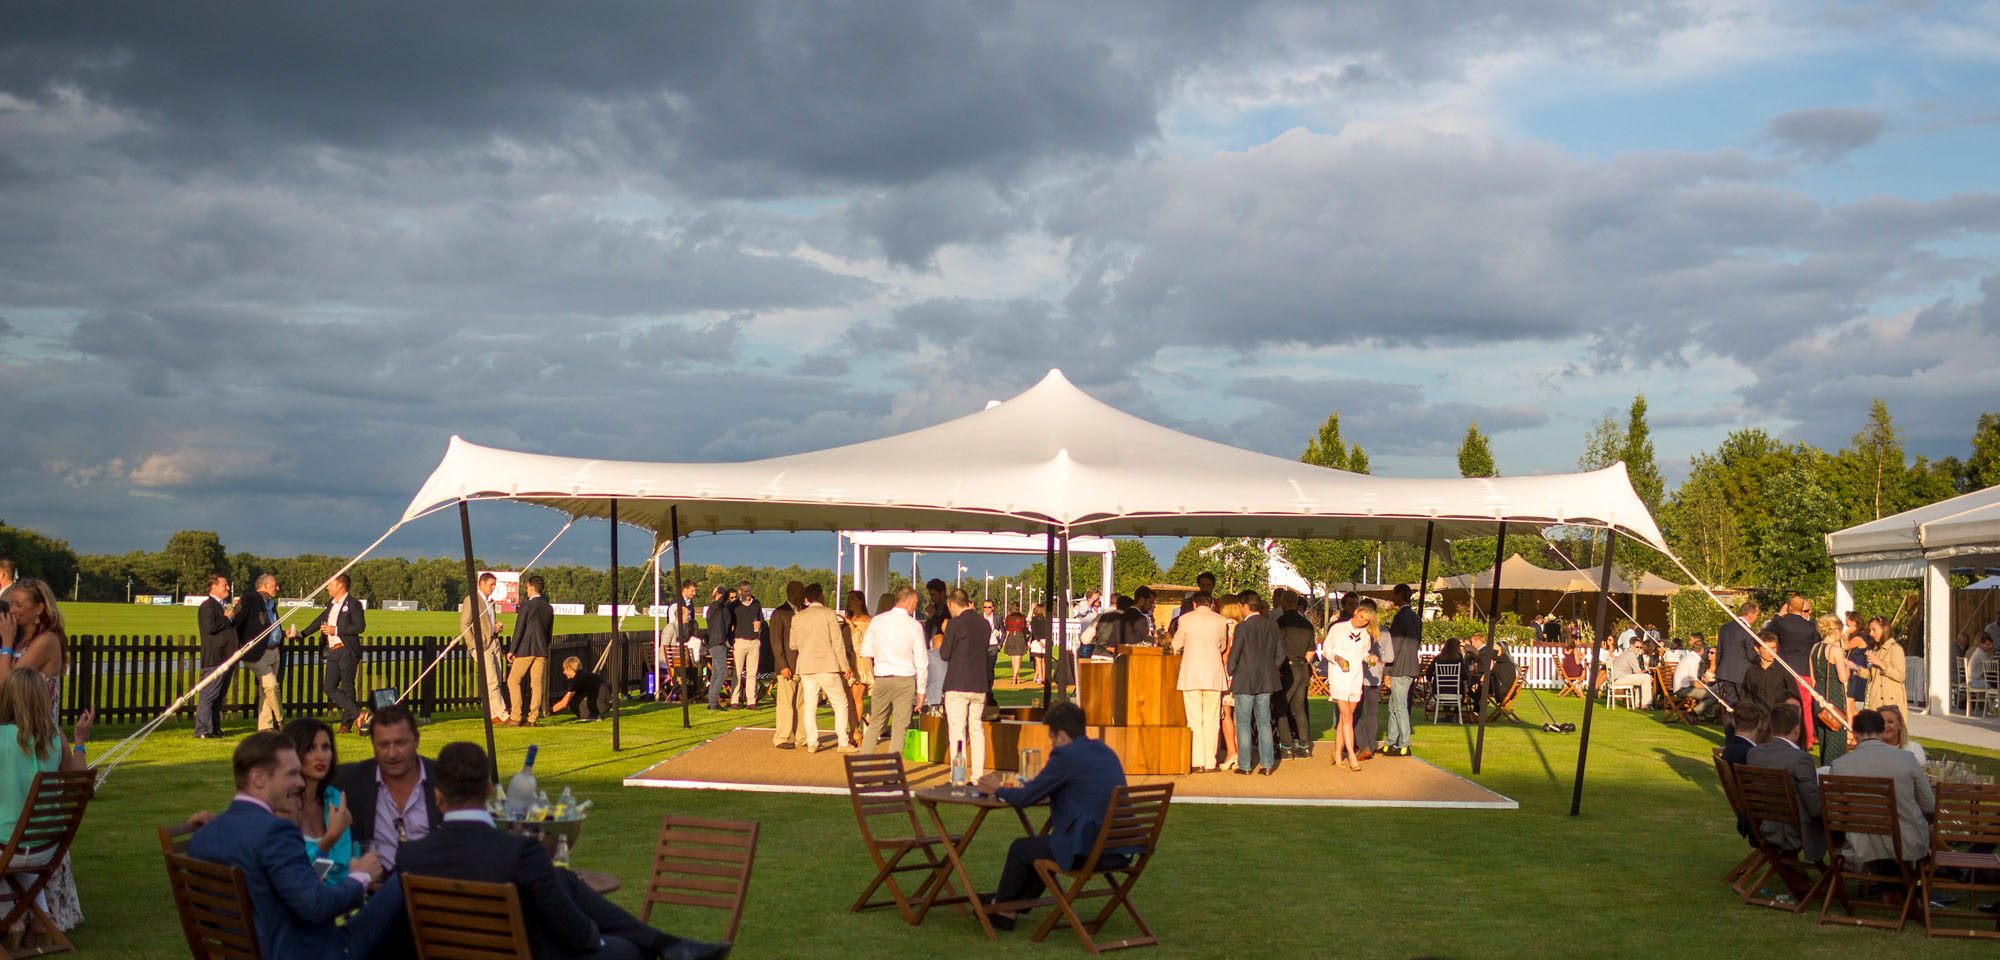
(895, 642)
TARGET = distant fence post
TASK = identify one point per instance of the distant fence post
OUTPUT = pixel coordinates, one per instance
(427, 690)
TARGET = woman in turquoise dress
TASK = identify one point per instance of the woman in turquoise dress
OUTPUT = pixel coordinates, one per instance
(1829, 678)
(322, 811)
(30, 743)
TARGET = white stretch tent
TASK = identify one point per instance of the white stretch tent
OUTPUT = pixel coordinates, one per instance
(1052, 457)
(872, 549)
(1924, 543)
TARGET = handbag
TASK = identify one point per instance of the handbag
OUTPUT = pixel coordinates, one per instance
(1829, 719)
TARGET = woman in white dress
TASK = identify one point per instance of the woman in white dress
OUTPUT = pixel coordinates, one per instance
(1346, 651)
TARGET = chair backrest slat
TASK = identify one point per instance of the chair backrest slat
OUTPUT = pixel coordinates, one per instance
(1967, 813)
(701, 862)
(1132, 821)
(175, 839)
(1767, 795)
(1865, 805)
(465, 919)
(213, 901)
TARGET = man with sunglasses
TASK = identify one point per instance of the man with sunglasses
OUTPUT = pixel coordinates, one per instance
(390, 795)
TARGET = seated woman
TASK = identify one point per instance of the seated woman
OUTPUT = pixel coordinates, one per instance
(1572, 669)
(1896, 733)
(321, 812)
(31, 744)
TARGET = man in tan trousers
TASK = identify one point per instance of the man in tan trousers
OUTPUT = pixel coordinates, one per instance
(819, 660)
(778, 626)
(480, 626)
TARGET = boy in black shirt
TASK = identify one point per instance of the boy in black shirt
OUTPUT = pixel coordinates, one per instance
(581, 697)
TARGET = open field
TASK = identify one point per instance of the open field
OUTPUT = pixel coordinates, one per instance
(1636, 875)
(129, 619)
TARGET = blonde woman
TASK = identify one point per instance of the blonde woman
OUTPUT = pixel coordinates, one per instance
(1233, 611)
(1346, 651)
(28, 727)
(1829, 678)
(1885, 670)
(858, 618)
(1896, 733)
(33, 637)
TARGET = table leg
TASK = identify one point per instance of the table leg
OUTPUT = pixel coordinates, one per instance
(955, 864)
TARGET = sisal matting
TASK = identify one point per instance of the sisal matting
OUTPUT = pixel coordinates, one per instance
(744, 759)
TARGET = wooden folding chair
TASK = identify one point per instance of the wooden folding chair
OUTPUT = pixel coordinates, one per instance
(1316, 687)
(702, 863)
(465, 919)
(213, 901)
(1568, 686)
(1857, 806)
(1132, 822)
(48, 823)
(1740, 874)
(1768, 797)
(880, 791)
(1968, 818)
(174, 839)
(1504, 710)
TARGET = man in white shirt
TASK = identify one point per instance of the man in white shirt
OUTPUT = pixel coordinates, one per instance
(1629, 671)
(1693, 662)
(895, 644)
(1630, 635)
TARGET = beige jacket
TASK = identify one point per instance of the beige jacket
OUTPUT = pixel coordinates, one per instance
(1199, 640)
(1885, 683)
(817, 646)
(1914, 799)
(476, 626)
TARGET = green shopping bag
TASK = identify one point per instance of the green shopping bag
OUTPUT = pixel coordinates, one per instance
(917, 746)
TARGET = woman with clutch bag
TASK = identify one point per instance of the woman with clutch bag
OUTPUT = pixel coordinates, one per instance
(1347, 651)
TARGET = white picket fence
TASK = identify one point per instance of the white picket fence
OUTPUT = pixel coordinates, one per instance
(1540, 664)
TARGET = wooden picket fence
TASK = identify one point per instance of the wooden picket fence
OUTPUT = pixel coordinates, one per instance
(131, 679)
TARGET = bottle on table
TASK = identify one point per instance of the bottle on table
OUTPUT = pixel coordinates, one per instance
(521, 788)
(958, 764)
(561, 858)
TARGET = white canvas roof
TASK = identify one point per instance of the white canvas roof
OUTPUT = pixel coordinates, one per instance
(1053, 454)
(1518, 574)
(1964, 525)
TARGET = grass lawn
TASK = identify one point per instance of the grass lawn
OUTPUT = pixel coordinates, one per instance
(131, 619)
(1637, 874)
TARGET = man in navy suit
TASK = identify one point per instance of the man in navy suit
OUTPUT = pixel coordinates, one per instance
(565, 920)
(1078, 781)
(294, 911)
(342, 622)
(218, 641)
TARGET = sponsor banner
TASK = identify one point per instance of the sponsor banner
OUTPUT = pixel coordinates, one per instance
(624, 610)
(296, 602)
(567, 609)
(194, 601)
(506, 589)
(153, 599)
(404, 606)
(660, 610)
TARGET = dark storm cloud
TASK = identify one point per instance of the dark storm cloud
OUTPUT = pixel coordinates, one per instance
(1824, 134)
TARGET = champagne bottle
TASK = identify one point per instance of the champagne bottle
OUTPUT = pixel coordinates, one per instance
(521, 788)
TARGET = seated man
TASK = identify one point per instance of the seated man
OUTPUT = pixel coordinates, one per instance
(564, 918)
(1500, 673)
(581, 697)
(1688, 668)
(1782, 752)
(1078, 780)
(389, 795)
(295, 912)
(1628, 670)
(1753, 726)
(1915, 803)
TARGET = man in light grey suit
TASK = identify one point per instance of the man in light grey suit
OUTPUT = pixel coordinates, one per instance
(1915, 803)
(1782, 752)
(820, 662)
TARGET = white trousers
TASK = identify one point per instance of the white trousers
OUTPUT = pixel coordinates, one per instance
(811, 686)
(1641, 682)
(962, 716)
(1204, 717)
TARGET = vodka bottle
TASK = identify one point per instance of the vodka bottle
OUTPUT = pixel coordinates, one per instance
(958, 764)
(521, 788)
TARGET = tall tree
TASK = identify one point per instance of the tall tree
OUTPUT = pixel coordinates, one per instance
(1327, 449)
(1792, 554)
(1878, 456)
(194, 556)
(1603, 444)
(1475, 454)
(1322, 562)
(1237, 564)
(1982, 470)
(1637, 452)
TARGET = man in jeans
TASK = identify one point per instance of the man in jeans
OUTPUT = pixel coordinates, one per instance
(1254, 659)
(748, 653)
(966, 680)
(1401, 659)
(895, 645)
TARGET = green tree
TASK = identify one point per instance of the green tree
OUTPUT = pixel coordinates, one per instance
(1792, 553)
(1878, 462)
(35, 555)
(1637, 452)
(1238, 564)
(1322, 562)
(1132, 567)
(194, 556)
(1326, 449)
(1982, 470)
(1603, 444)
(1475, 454)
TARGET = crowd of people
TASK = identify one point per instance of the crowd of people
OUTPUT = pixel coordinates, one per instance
(319, 841)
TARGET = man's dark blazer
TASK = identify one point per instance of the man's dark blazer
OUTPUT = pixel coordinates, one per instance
(721, 623)
(350, 624)
(1255, 655)
(218, 632)
(1796, 638)
(1078, 781)
(779, 628)
(1298, 634)
(964, 654)
(534, 628)
(293, 909)
(357, 781)
(1481, 664)
(1778, 753)
(252, 624)
(463, 850)
(1735, 652)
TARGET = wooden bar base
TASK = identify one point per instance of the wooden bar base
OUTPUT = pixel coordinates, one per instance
(1140, 749)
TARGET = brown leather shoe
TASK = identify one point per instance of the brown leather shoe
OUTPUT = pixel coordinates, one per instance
(505, 723)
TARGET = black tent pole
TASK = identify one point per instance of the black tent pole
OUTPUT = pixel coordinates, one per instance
(1590, 677)
(617, 641)
(478, 655)
(1423, 595)
(1058, 622)
(1049, 597)
(1492, 637)
(674, 521)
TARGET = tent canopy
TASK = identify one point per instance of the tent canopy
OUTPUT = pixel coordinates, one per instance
(1518, 574)
(1051, 455)
(1896, 545)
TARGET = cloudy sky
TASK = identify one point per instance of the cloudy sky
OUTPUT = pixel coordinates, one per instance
(258, 262)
